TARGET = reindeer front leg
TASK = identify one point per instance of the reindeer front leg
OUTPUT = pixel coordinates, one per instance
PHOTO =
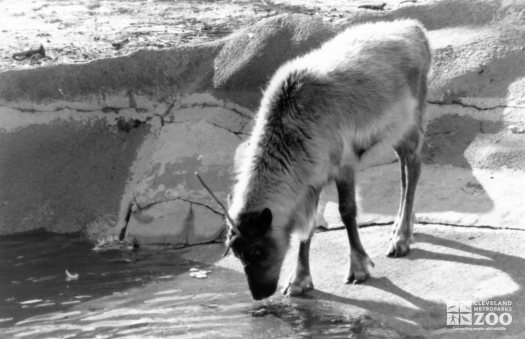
(301, 280)
(359, 260)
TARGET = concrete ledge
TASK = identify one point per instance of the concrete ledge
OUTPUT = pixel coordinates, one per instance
(113, 144)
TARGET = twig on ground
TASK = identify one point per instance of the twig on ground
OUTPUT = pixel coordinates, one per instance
(21, 56)
(374, 7)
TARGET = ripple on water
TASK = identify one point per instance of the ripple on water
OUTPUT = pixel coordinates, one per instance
(101, 303)
(209, 315)
(32, 280)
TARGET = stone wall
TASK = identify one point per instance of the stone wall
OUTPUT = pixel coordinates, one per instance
(113, 144)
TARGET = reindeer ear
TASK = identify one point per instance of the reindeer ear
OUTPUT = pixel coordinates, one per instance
(265, 220)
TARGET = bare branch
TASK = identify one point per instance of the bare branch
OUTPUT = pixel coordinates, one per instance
(220, 204)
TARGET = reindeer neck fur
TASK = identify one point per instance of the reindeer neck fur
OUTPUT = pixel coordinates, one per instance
(278, 161)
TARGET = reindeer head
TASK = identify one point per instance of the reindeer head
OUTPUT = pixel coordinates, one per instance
(257, 246)
(261, 250)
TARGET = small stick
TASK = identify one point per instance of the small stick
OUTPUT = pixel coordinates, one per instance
(237, 232)
(374, 7)
(29, 53)
(120, 44)
(218, 202)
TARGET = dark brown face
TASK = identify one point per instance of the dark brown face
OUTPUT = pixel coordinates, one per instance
(260, 253)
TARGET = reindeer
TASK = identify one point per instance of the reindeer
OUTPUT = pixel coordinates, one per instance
(320, 114)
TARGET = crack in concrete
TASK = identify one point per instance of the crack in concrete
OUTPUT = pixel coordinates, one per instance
(105, 109)
(469, 226)
(167, 112)
(238, 134)
(58, 109)
(203, 205)
(210, 105)
(133, 105)
(146, 206)
(378, 224)
(476, 107)
(322, 229)
(433, 223)
(134, 207)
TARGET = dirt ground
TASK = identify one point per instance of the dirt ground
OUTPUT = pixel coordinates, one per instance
(77, 31)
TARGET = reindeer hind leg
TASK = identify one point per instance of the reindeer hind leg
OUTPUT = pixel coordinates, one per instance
(408, 151)
(402, 166)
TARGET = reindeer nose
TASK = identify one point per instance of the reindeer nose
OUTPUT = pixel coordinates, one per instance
(262, 290)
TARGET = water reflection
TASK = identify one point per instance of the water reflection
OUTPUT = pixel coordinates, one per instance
(147, 294)
(311, 319)
(34, 280)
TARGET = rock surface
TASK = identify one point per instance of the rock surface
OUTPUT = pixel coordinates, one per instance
(250, 57)
(113, 144)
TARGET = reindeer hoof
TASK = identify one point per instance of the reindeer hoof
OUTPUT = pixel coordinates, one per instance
(398, 248)
(358, 268)
(357, 277)
(299, 285)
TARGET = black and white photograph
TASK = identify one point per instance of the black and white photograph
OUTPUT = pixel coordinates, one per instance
(262, 169)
